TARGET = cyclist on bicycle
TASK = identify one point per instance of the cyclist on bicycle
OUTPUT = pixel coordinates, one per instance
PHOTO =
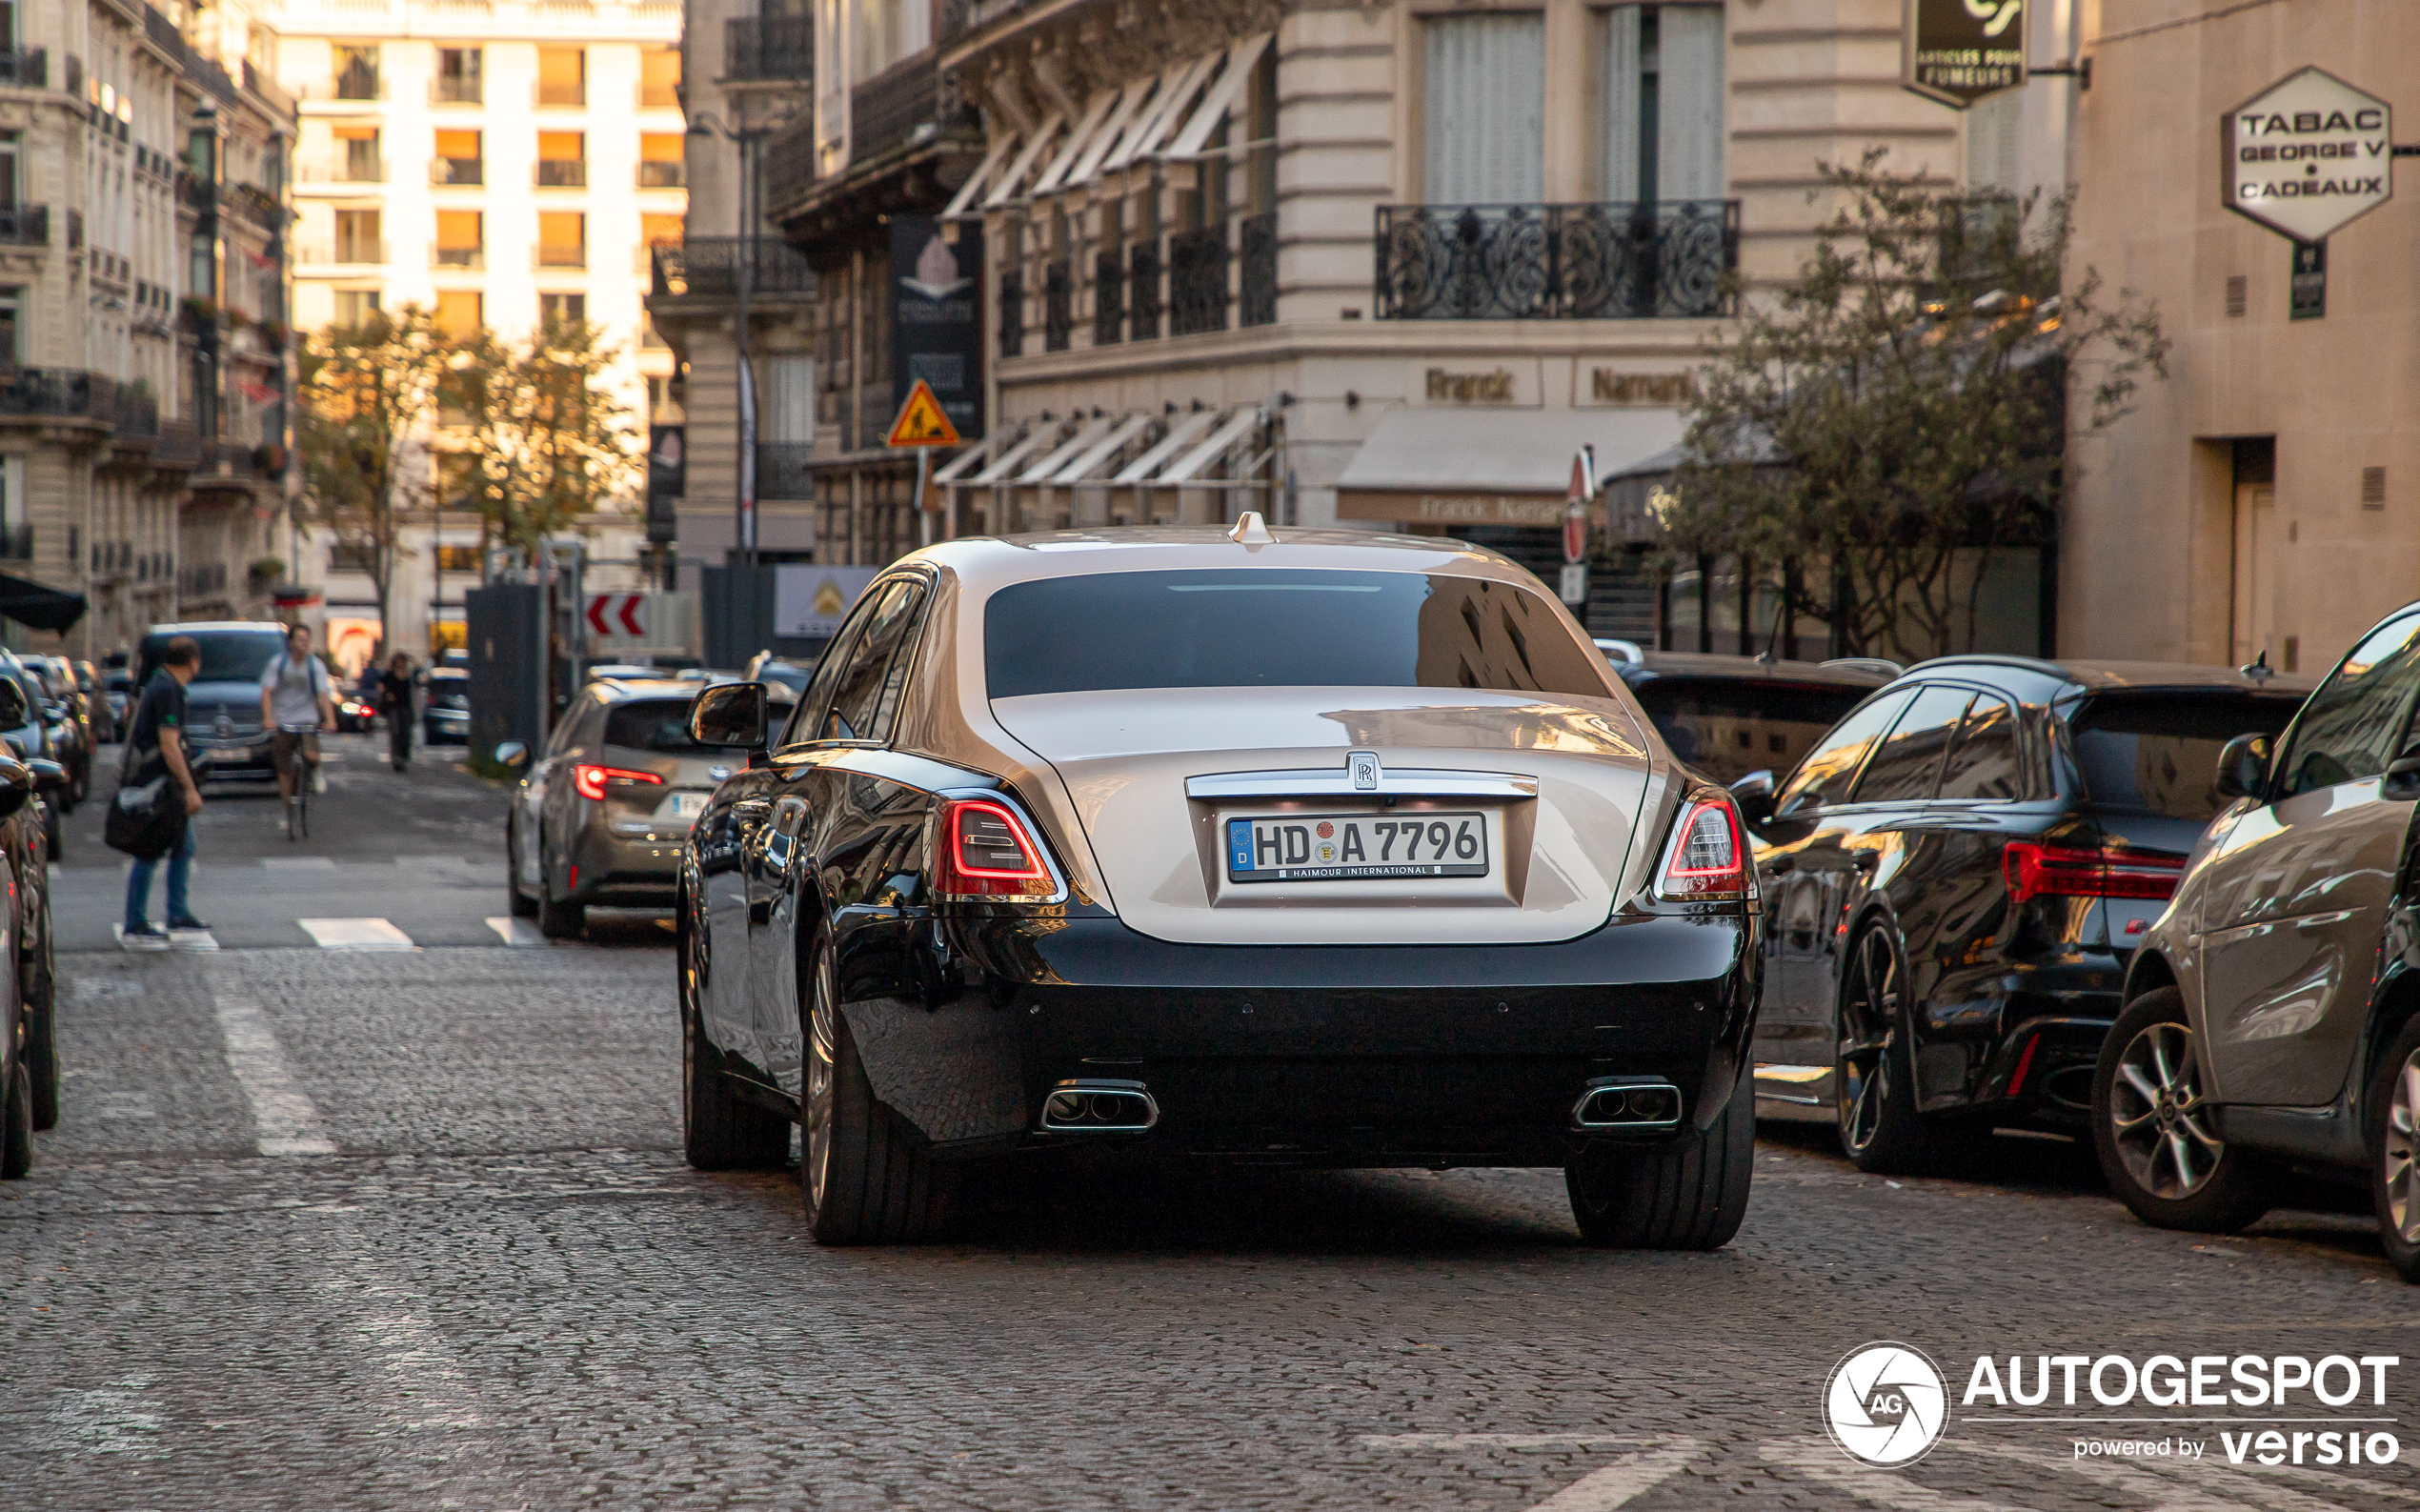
(297, 701)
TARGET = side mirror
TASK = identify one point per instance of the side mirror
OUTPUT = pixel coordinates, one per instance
(16, 785)
(1754, 795)
(512, 753)
(2242, 767)
(729, 714)
(12, 704)
(48, 777)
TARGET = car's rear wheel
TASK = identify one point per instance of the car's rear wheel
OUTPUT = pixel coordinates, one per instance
(2394, 1109)
(1874, 1080)
(1690, 1194)
(522, 904)
(558, 919)
(17, 1125)
(720, 1130)
(2151, 1126)
(865, 1176)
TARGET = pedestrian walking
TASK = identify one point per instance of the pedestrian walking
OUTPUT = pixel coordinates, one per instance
(155, 748)
(394, 701)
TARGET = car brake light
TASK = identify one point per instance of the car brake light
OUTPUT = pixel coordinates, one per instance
(987, 852)
(1706, 860)
(2034, 870)
(590, 780)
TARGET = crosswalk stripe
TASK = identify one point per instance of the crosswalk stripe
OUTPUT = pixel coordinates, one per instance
(355, 934)
(516, 932)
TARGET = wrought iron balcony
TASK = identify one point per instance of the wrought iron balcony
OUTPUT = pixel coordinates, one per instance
(458, 89)
(25, 225)
(26, 68)
(1198, 281)
(782, 470)
(54, 391)
(1058, 303)
(559, 254)
(1620, 261)
(707, 268)
(769, 47)
(457, 257)
(562, 172)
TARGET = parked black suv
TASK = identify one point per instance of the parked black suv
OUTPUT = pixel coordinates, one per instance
(1956, 877)
(1730, 715)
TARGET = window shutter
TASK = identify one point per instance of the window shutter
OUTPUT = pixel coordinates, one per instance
(1690, 103)
(788, 400)
(1484, 139)
(1621, 104)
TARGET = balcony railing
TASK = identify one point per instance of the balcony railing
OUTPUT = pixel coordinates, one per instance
(1109, 298)
(359, 83)
(782, 470)
(887, 111)
(26, 68)
(342, 170)
(25, 225)
(360, 253)
(1258, 305)
(444, 171)
(456, 91)
(54, 391)
(16, 543)
(778, 47)
(656, 173)
(1012, 334)
(559, 256)
(1142, 291)
(707, 268)
(1198, 281)
(1633, 261)
(1058, 303)
(562, 172)
(457, 257)
(256, 204)
(571, 95)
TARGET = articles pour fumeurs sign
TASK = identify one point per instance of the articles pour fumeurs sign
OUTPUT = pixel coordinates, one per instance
(2309, 154)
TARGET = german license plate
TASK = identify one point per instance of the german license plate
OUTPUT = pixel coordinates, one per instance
(1356, 847)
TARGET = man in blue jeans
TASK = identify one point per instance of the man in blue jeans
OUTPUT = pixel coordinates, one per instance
(155, 745)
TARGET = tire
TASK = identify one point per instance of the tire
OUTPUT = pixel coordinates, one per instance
(864, 1175)
(2150, 1132)
(522, 904)
(16, 1125)
(1873, 1072)
(1688, 1195)
(558, 920)
(2393, 1115)
(719, 1129)
(42, 1061)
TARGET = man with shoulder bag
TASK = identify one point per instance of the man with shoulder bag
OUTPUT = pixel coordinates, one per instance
(151, 814)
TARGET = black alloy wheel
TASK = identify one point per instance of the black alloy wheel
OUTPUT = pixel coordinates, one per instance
(2394, 1109)
(864, 1177)
(1687, 1194)
(2159, 1149)
(1873, 1079)
(720, 1130)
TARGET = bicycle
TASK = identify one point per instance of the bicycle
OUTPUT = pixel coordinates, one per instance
(304, 764)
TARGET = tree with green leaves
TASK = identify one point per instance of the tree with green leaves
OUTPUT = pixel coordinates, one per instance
(550, 444)
(1899, 411)
(368, 395)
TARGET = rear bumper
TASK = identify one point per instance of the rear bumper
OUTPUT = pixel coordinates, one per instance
(1334, 1055)
(621, 872)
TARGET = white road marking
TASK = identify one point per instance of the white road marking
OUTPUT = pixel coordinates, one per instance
(1600, 1490)
(121, 1418)
(299, 863)
(518, 932)
(355, 934)
(283, 1117)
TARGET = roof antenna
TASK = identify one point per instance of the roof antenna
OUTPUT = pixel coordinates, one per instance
(2258, 667)
(1250, 530)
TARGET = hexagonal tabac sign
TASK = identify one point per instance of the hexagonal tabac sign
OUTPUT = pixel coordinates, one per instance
(2307, 154)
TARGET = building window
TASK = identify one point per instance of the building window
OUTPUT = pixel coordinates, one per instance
(457, 160)
(789, 407)
(458, 77)
(356, 70)
(461, 313)
(562, 160)
(356, 306)
(12, 172)
(462, 494)
(660, 78)
(1485, 137)
(562, 310)
(360, 163)
(661, 160)
(1662, 102)
(357, 239)
(563, 77)
(461, 239)
(1992, 133)
(562, 239)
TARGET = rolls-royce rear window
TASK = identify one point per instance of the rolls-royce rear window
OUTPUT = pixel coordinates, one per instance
(1277, 626)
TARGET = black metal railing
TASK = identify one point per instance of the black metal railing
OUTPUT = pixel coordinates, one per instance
(562, 172)
(1615, 261)
(886, 112)
(769, 47)
(708, 266)
(26, 68)
(52, 391)
(1058, 303)
(1258, 301)
(1012, 334)
(357, 81)
(256, 204)
(457, 171)
(16, 543)
(1109, 298)
(1198, 281)
(782, 470)
(663, 173)
(1142, 291)
(25, 225)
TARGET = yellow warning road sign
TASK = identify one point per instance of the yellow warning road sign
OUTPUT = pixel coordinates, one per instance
(922, 422)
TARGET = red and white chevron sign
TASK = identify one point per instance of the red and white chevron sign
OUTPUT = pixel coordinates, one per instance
(617, 616)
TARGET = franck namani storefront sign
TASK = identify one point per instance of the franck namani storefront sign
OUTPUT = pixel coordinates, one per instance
(2309, 154)
(1959, 51)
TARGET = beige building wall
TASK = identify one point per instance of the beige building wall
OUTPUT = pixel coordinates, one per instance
(2173, 546)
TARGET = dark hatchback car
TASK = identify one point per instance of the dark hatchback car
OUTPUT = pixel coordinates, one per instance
(1730, 715)
(1956, 877)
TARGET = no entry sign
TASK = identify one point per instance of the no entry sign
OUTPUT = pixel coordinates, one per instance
(2307, 154)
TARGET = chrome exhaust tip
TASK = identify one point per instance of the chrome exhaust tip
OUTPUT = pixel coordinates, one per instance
(1628, 1103)
(1099, 1107)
